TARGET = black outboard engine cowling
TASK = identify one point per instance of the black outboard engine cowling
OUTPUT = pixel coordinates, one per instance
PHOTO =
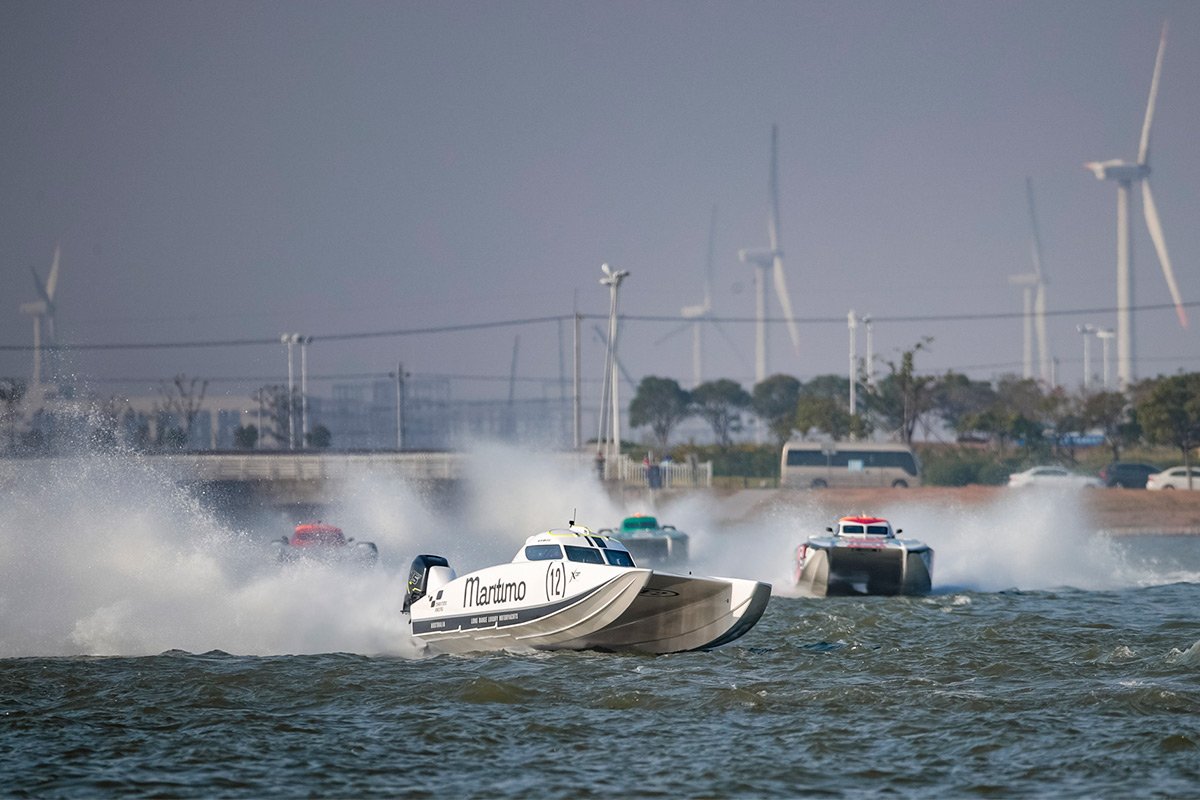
(418, 577)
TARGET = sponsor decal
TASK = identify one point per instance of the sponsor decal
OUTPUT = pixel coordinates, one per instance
(476, 594)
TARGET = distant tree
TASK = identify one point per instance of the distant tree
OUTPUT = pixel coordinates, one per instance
(245, 437)
(174, 438)
(1112, 414)
(902, 398)
(774, 401)
(1022, 396)
(720, 403)
(834, 387)
(1170, 414)
(1063, 414)
(105, 419)
(12, 394)
(822, 414)
(956, 399)
(320, 437)
(181, 399)
(661, 404)
(275, 410)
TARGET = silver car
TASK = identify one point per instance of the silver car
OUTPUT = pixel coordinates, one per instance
(1053, 477)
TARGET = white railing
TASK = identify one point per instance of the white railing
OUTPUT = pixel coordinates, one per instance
(672, 474)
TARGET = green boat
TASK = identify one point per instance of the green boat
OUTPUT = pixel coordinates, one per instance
(650, 543)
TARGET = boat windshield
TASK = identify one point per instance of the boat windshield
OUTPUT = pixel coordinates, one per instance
(852, 529)
(619, 558)
(586, 555)
(543, 552)
(877, 530)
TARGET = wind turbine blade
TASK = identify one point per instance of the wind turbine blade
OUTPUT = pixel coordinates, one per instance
(773, 220)
(52, 281)
(729, 340)
(41, 287)
(1037, 238)
(1144, 147)
(1160, 244)
(786, 302)
(674, 332)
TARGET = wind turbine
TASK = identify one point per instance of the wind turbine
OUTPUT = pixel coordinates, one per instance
(42, 310)
(698, 314)
(771, 259)
(1034, 286)
(1126, 174)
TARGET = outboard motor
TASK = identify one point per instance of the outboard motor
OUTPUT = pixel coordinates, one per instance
(427, 573)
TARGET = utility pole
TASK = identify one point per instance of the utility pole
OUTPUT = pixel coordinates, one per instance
(400, 406)
(853, 322)
(870, 352)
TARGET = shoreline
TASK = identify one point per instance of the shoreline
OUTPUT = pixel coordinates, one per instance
(1113, 512)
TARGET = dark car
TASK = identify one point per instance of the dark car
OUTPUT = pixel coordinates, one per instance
(1127, 474)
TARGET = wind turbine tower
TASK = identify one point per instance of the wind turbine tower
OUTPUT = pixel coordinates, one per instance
(699, 313)
(1126, 174)
(1033, 285)
(770, 259)
(42, 310)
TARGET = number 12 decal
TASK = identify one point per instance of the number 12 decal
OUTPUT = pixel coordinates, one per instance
(556, 580)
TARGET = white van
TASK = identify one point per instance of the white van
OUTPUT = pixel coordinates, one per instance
(816, 465)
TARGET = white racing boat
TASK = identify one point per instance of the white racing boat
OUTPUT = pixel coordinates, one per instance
(863, 556)
(572, 589)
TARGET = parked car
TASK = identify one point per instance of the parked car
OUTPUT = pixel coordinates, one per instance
(1127, 474)
(1174, 478)
(1053, 477)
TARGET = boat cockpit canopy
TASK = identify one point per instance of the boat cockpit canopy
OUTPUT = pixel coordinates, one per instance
(862, 527)
(580, 546)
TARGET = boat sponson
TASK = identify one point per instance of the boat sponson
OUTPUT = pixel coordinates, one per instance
(550, 625)
(674, 613)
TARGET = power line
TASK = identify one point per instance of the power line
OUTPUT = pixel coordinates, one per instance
(511, 323)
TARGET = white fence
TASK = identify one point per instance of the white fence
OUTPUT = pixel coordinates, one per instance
(670, 474)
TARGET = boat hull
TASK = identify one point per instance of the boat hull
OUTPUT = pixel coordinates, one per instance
(571, 606)
(883, 568)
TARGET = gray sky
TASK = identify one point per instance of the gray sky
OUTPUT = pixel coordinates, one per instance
(228, 170)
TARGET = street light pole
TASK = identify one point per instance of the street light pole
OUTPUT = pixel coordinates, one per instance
(290, 339)
(613, 280)
(1105, 335)
(1086, 330)
(305, 341)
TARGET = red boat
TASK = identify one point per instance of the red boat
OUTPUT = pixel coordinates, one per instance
(322, 542)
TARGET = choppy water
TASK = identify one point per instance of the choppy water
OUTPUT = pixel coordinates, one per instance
(164, 656)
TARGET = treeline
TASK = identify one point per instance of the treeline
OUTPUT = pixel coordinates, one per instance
(990, 427)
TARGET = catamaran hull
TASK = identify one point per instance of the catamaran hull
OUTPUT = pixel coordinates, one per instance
(856, 570)
(674, 614)
(636, 610)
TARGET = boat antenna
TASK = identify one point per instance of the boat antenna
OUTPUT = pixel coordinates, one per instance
(571, 521)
